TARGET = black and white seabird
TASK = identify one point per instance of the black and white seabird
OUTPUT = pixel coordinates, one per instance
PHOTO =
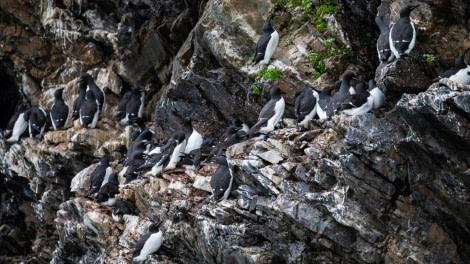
(80, 99)
(305, 105)
(459, 64)
(108, 190)
(37, 121)
(383, 42)
(20, 126)
(270, 114)
(193, 159)
(135, 105)
(193, 137)
(97, 91)
(59, 111)
(89, 111)
(266, 44)
(148, 244)
(99, 175)
(123, 151)
(360, 101)
(121, 108)
(324, 105)
(168, 158)
(402, 35)
(342, 99)
(221, 181)
(120, 208)
(237, 122)
(131, 170)
(177, 152)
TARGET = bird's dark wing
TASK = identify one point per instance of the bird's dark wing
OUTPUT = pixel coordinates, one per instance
(140, 244)
(220, 181)
(261, 47)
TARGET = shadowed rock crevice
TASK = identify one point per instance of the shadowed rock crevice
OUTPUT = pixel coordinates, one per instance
(9, 94)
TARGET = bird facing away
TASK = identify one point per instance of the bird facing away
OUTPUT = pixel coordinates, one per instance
(97, 91)
(60, 111)
(402, 35)
(121, 108)
(305, 105)
(221, 181)
(135, 105)
(270, 114)
(102, 171)
(108, 190)
(80, 99)
(37, 121)
(324, 107)
(383, 44)
(89, 111)
(266, 44)
(148, 244)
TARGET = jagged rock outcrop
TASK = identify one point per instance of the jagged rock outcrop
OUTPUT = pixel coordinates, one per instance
(384, 187)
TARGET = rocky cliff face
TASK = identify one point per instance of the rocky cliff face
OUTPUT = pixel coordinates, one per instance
(383, 187)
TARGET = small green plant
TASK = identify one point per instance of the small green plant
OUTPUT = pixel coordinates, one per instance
(332, 51)
(430, 58)
(271, 9)
(268, 75)
(327, 7)
(255, 89)
(288, 41)
(317, 59)
(317, 62)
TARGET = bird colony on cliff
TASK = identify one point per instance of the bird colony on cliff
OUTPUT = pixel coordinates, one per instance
(148, 155)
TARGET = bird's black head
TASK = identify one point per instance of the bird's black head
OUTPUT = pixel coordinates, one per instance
(180, 136)
(85, 78)
(121, 149)
(58, 93)
(349, 75)
(154, 227)
(276, 92)
(221, 159)
(267, 27)
(406, 10)
(138, 90)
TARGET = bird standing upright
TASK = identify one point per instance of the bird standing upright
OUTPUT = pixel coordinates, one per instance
(89, 111)
(221, 181)
(37, 121)
(270, 114)
(305, 105)
(402, 35)
(59, 111)
(383, 43)
(80, 99)
(148, 244)
(266, 44)
(97, 91)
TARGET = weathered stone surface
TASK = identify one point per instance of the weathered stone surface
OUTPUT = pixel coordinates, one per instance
(387, 187)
